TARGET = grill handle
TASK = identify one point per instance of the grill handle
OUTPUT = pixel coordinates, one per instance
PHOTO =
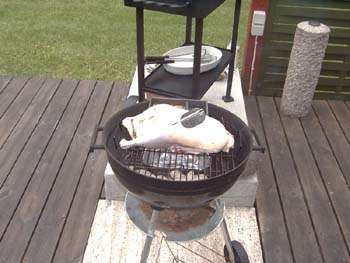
(131, 100)
(162, 4)
(259, 146)
(93, 145)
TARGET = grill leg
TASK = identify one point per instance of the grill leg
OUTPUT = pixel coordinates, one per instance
(197, 56)
(150, 236)
(227, 238)
(188, 30)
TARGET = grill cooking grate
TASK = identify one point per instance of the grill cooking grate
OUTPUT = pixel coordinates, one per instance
(168, 165)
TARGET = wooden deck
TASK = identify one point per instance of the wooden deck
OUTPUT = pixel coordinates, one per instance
(50, 183)
(303, 201)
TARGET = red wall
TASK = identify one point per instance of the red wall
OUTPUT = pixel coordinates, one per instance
(249, 47)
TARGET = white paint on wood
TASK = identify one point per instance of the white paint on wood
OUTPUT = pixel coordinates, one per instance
(114, 238)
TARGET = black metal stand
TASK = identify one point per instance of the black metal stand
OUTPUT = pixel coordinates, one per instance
(188, 38)
(228, 97)
(140, 53)
(197, 55)
(234, 252)
(227, 239)
(150, 235)
(198, 84)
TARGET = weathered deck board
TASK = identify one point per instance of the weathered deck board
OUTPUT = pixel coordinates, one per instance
(47, 233)
(324, 220)
(335, 136)
(21, 173)
(10, 93)
(4, 82)
(24, 129)
(302, 237)
(74, 237)
(33, 200)
(342, 113)
(331, 174)
(18, 108)
(45, 153)
(274, 238)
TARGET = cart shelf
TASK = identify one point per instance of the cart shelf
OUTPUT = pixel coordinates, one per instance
(196, 85)
(164, 83)
(193, 8)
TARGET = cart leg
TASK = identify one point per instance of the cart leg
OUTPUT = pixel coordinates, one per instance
(228, 97)
(140, 53)
(227, 238)
(188, 38)
(150, 236)
(197, 56)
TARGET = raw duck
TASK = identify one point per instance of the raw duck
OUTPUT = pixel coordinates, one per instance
(159, 127)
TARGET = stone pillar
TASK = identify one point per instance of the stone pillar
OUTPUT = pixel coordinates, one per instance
(310, 42)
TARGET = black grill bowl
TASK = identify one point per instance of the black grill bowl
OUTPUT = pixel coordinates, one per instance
(177, 194)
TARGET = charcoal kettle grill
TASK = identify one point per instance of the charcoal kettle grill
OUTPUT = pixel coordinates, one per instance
(163, 182)
(179, 193)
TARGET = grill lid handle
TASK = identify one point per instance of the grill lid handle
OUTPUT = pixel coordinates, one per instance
(131, 100)
(192, 118)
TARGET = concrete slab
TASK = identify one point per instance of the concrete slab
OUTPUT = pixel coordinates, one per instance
(114, 238)
(218, 89)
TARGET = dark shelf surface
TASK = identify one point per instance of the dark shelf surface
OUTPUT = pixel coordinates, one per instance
(193, 8)
(164, 83)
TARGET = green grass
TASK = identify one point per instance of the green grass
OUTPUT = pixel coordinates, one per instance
(93, 39)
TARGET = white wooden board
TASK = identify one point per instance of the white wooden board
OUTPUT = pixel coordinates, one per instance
(114, 238)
